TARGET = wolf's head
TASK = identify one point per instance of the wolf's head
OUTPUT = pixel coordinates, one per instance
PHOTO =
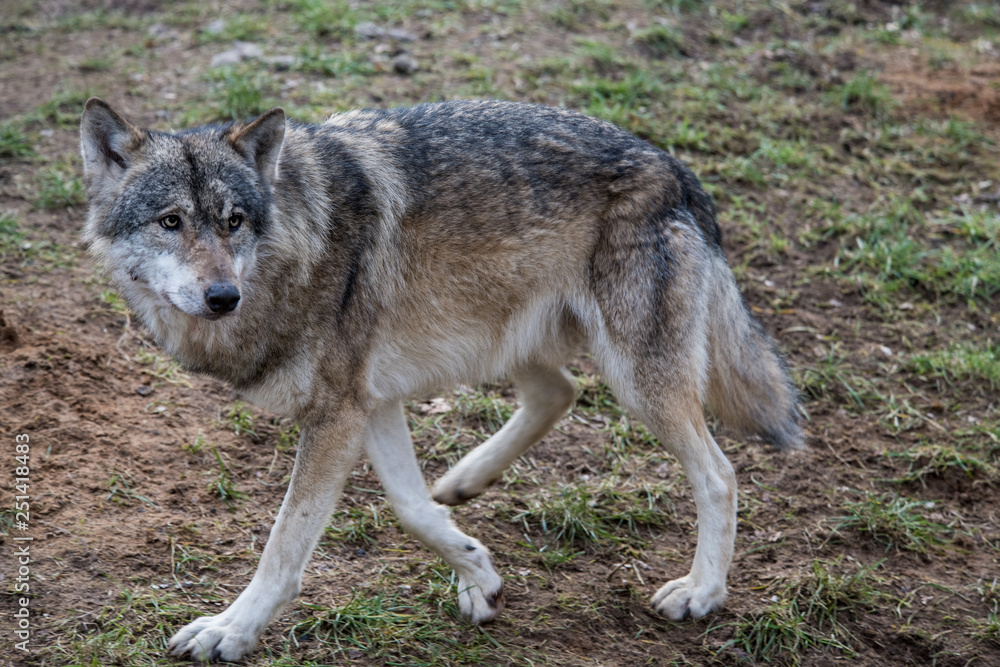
(176, 218)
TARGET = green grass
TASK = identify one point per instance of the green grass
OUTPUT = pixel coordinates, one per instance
(977, 361)
(831, 378)
(662, 39)
(485, 411)
(597, 515)
(120, 490)
(863, 93)
(223, 484)
(59, 187)
(238, 92)
(14, 142)
(63, 107)
(399, 631)
(359, 525)
(132, 630)
(158, 366)
(11, 236)
(940, 460)
(239, 418)
(807, 614)
(893, 251)
(894, 521)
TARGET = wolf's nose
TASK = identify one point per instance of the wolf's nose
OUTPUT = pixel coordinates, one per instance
(222, 297)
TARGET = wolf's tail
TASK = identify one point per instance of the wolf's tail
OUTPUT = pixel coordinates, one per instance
(749, 388)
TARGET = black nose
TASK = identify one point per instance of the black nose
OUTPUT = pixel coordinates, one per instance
(222, 297)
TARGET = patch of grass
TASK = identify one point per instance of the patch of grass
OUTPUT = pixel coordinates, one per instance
(575, 14)
(11, 236)
(597, 515)
(894, 521)
(238, 92)
(662, 39)
(979, 361)
(196, 446)
(937, 460)
(358, 525)
(806, 614)
(7, 519)
(63, 108)
(627, 436)
(398, 630)
(223, 485)
(59, 187)
(893, 247)
(288, 437)
(830, 378)
(239, 417)
(324, 18)
(117, 304)
(988, 630)
(487, 410)
(132, 630)
(317, 60)
(863, 93)
(594, 397)
(622, 100)
(14, 142)
(245, 27)
(120, 490)
(160, 367)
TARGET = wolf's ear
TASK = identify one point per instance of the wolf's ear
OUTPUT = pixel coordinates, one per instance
(108, 143)
(262, 140)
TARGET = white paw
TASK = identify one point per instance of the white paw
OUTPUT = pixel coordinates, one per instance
(684, 598)
(480, 588)
(459, 485)
(212, 638)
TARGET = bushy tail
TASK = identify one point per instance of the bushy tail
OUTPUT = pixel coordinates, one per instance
(749, 388)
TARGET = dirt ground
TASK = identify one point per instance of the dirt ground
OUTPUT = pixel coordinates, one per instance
(852, 149)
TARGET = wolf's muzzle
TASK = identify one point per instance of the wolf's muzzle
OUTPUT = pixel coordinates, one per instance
(222, 298)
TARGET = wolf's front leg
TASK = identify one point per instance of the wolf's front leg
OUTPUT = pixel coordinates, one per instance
(326, 453)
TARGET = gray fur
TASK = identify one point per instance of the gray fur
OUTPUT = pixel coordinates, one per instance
(386, 253)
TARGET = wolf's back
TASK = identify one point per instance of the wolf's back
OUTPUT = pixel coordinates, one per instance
(749, 388)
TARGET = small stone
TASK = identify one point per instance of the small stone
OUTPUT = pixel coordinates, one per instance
(835, 304)
(241, 51)
(405, 64)
(369, 31)
(401, 35)
(355, 653)
(144, 390)
(885, 350)
(281, 62)
(215, 27)
(158, 30)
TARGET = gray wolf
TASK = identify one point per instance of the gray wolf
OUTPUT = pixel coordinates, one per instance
(328, 272)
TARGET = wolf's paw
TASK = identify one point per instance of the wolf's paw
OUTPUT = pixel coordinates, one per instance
(683, 598)
(212, 638)
(480, 588)
(459, 486)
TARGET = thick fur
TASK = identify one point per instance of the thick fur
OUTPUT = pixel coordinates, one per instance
(388, 253)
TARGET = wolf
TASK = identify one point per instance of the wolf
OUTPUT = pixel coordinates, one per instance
(329, 272)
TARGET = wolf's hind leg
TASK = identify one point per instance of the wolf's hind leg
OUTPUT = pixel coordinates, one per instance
(546, 395)
(390, 449)
(713, 481)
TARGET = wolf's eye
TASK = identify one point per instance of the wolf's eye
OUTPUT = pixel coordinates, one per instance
(235, 220)
(170, 221)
